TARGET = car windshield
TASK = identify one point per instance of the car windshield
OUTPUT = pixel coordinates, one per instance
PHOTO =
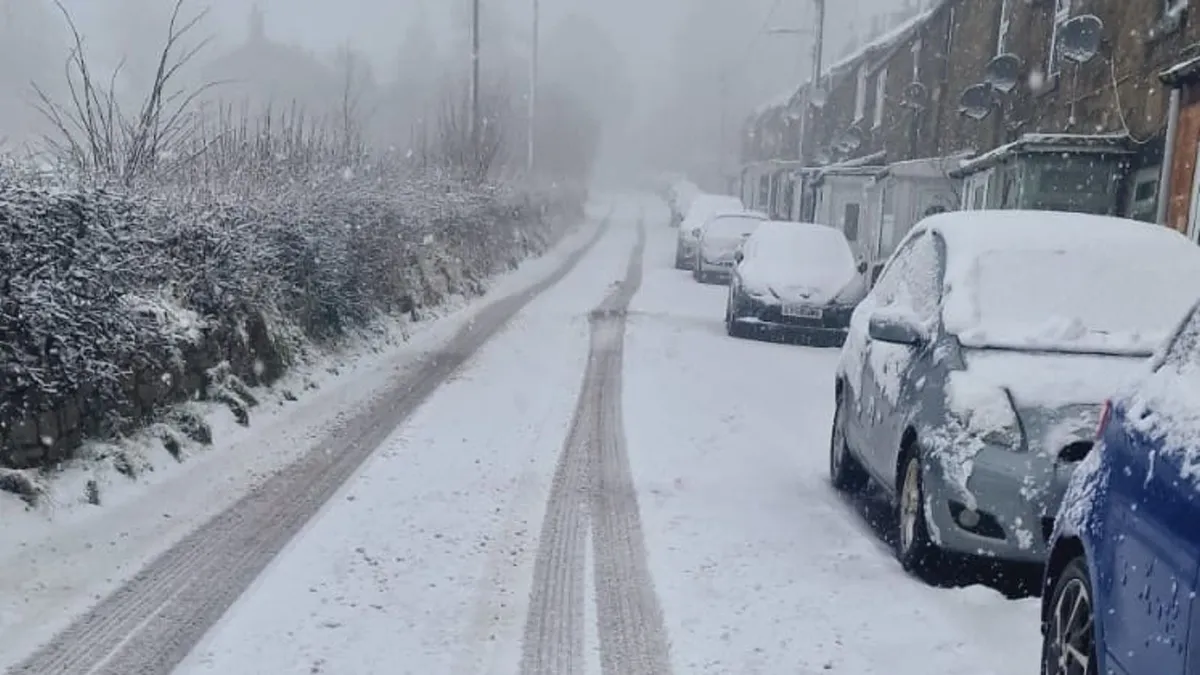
(1106, 299)
(724, 228)
(806, 246)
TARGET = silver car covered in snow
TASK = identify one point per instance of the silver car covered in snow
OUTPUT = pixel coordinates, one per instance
(701, 208)
(975, 371)
(720, 240)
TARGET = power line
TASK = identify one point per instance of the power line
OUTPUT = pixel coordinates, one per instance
(762, 30)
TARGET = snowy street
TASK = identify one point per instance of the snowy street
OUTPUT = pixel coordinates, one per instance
(604, 483)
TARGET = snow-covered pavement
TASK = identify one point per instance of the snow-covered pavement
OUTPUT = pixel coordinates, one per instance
(627, 492)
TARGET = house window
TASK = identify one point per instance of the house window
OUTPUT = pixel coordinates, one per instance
(975, 191)
(1002, 38)
(880, 96)
(1143, 195)
(1062, 14)
(850, 221)
(1173, 8)
(860, 94)
(916, 57)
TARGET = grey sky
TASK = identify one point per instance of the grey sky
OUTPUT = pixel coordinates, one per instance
(760, 66)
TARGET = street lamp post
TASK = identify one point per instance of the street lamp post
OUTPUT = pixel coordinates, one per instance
(533, 87)
(475, 121)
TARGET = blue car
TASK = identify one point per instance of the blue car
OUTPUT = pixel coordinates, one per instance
(1121, 581)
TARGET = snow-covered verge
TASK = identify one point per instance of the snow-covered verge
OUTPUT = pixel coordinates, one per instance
(62, 556)
(115, 306)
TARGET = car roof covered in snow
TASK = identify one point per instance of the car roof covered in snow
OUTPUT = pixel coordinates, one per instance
(738, 213)
(1062, 281)
(973, 232)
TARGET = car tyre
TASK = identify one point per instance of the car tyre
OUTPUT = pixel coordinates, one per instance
(732, 327)
(1069, 638)
(915, 549)
(845, 472)
(680, 259)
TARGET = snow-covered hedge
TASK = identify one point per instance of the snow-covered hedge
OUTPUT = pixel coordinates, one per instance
(114, 305)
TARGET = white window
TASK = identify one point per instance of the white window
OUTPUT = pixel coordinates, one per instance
(860, 94)
(975, 191)
(1172, 8)
(1002, 38)
(1143, 195)
(880, 96)
(916, 57)
(1062, 14)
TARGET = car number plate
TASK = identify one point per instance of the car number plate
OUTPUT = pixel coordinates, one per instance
(802, 311)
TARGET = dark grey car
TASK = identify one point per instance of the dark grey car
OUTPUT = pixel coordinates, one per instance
(974, 372)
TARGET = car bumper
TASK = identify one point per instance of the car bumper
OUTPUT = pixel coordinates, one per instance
(716, 271)
(829, 330)
(1016, 496)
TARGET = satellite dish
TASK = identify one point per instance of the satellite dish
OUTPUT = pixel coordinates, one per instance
(1079, 38)
(976, 101)
(915, 95)
(1003, 72)
(819, 97)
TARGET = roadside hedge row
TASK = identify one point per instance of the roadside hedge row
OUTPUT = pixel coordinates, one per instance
(114, 305)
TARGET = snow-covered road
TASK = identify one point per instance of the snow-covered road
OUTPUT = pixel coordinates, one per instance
(627, 492)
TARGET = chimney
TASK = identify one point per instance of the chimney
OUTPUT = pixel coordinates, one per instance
(257, 24)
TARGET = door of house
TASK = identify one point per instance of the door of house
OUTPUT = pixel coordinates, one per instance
(1183, 168)
(1194, 208)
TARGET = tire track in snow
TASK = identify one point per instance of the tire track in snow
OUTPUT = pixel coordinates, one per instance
(149, 624)
(594, 489)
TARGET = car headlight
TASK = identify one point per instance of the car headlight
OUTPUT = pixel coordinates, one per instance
(987, 413)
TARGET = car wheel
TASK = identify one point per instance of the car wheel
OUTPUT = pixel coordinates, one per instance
(845, 472)
(914, 547)
(732, 327)
(1069, 642)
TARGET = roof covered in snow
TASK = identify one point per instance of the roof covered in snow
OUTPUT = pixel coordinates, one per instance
(1030, 143)
(1183, 72)
(899, 34)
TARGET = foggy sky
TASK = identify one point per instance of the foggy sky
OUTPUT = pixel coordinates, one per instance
(647, 32)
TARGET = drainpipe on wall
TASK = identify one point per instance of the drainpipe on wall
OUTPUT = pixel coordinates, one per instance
(1164, 178)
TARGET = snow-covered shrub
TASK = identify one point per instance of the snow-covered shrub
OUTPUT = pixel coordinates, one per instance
(115, 304)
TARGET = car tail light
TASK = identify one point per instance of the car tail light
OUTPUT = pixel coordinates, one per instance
(1105, 415)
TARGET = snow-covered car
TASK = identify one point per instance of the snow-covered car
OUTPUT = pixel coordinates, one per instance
(702, 208)
(1134, 503)
(680, 194)
(720, 239)
(975, 371)
(799, 277)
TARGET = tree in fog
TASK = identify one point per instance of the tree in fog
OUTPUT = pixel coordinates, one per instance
(263, 72)
(581, 59)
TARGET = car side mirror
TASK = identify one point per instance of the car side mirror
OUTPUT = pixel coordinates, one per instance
(895, 329)
(738, 256)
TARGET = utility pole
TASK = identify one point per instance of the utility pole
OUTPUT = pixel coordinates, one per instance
(475, 118)
(533, 87)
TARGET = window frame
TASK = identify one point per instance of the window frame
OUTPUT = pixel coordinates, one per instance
(880, 96)
(860, 94)
(1062, 14)
(1003, 27)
